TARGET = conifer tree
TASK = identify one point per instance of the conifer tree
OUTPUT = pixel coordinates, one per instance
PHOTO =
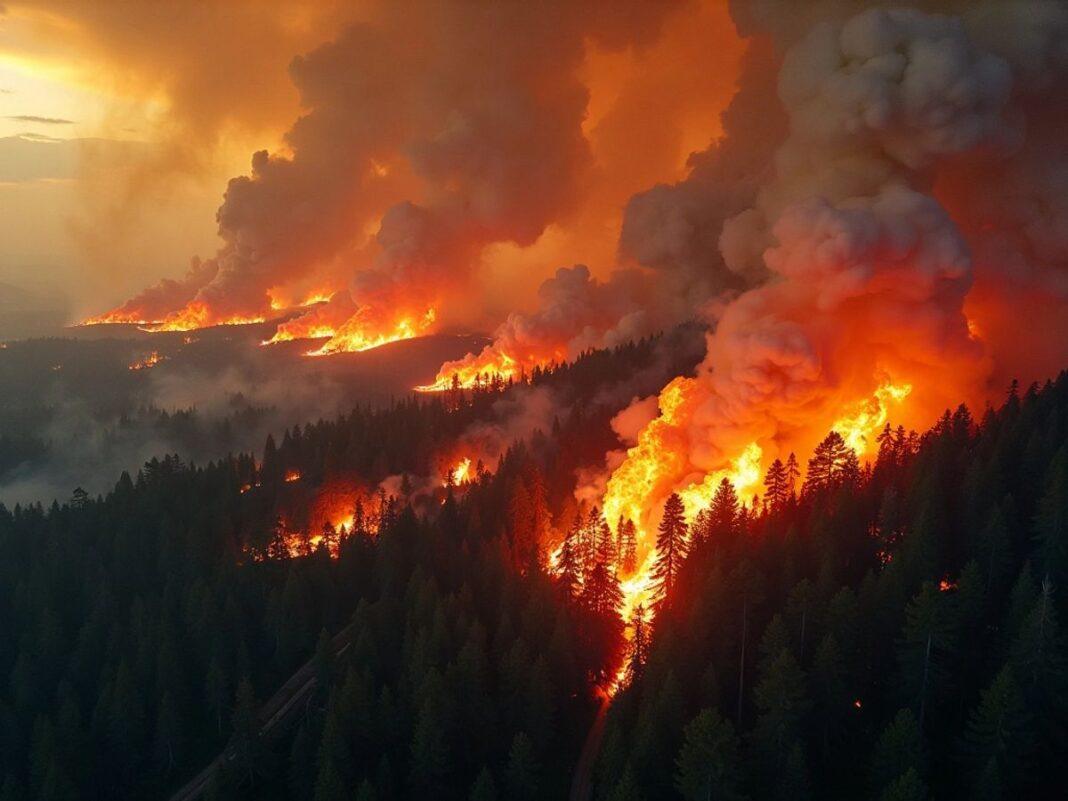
(898, 750)
(626, 789)
(569, 572)
(670, 548)
(793, 473)
(604, 542)
(522, 771)
(723, 512)
(1051, 520)
(906, 787)
(1000, 730)
(246, 735)
(830, 464)
(601, 593)
(639, 644)
(925, 640)
(484, 788)
(708, 762)
(776, 484)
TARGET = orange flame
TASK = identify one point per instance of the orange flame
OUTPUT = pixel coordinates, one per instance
(459, 474)
(358, 333)
(198, 314)
(118, 317)
(292, 475)
(148, 362)
(467, 374)
(858, 426)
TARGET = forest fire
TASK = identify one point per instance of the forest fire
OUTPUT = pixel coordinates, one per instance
(193, 316)
(147, 362)
(199, 315)
(291, 476)
(858, 428)
(474, 372)
(359, 332)
(459, 474)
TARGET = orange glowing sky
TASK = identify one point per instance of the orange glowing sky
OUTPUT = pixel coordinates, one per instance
(132, 116)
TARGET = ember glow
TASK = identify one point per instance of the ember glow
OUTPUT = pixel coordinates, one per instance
(460, 473)
(860, 427)
(476, 372)
(199, 315)
(147, 362)
(291, 476)
(362, 331)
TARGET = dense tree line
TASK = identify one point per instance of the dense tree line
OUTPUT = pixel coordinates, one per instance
(887, 630)
(137, 637)
(890, 631)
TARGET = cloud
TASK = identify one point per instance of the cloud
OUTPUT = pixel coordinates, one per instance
(42, 120)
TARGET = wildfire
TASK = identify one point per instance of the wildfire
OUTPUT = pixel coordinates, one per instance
(743, 473)
(469, 374)
(459, 474)
(194, 315)
(661, 453)
(291, 476)
(652, 457)
(117, 317)
(149, 361)
(313, 299)
(358, 333)
(869, 416)
(197, 315)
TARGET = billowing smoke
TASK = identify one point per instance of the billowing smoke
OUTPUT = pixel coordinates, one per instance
(576, 312)
(671, 269)
(430, 130)
(907, 193)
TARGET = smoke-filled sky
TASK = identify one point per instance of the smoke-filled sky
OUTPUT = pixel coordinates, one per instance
(511, 136)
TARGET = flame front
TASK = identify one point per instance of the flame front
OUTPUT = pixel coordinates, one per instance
(473, 371)
(460, 473)
(869, 416)
(359, 333)
(147, 362)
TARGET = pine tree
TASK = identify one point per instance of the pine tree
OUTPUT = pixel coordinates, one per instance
(925, 640)
(776, 483)
(794, 783)
(569, 572)
(906, 787)
(793, 473)
(1000, 730)
(603, 542)
(782, 703)
(724, 511)
(708, 762)
(522, 771)
(1051, 520)
(601, 593)
(898, 750)
(887, 455)
(670, 548)
(626, 789)
(1038, 659)
(246, 736)
(639, 645)
(484, 788)
(829, 464)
